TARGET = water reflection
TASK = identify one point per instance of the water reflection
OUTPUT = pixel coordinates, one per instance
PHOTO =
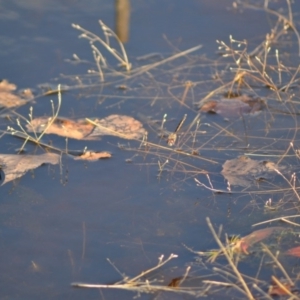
(122, 10)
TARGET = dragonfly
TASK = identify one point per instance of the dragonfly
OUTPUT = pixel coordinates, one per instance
(173, 135)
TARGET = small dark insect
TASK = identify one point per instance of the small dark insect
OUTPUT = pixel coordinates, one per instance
(173, 136)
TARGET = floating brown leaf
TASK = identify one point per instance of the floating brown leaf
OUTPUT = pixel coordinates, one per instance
(238, 106)
(79, 129)
(15, 166)
(118, 125)
(7, 97)
(243, 170)
(92, 156)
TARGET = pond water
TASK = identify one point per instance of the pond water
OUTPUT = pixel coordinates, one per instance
(59, 224)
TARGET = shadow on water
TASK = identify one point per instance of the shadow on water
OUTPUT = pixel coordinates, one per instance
(59, 223)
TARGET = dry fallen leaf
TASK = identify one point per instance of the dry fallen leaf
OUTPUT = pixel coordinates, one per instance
(7, 97)
(232, 107)
(118, 125)
(92, 156)
(15, 166)
(79, 129)
(243, 170)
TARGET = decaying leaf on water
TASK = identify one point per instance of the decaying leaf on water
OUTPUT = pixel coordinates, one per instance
(79, 129)
(9, 99)
(92, 156)
(241, 105)
(243, 170)
(15, 166)
(89, 129)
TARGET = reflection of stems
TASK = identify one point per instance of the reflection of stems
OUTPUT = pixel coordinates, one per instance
(122, 9)
(289, 183)
(188, 85)
(279, 265)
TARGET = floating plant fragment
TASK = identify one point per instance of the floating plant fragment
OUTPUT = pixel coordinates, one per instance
(92, 156)
(50, 89)
(241, 105)
(243, 170)
(15, 166)
(294, 251)
(9, 99)
(89, 129)
(242, 245)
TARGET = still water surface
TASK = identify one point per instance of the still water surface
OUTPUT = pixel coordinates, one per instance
(57, 225)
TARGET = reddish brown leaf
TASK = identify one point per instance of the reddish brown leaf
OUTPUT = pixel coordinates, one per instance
(294, 251)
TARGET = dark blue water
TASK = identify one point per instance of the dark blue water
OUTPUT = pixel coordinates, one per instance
(59, 224)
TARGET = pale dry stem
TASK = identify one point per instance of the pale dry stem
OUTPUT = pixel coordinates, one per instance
(230, 261)
(37, 138)
(90, 36)
(279, 265)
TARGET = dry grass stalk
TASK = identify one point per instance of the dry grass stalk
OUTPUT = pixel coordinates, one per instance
(140, 285)
(37, 138)
(228, 256)
(106, 43)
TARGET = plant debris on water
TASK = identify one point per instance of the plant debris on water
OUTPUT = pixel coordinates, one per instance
(250, 138)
